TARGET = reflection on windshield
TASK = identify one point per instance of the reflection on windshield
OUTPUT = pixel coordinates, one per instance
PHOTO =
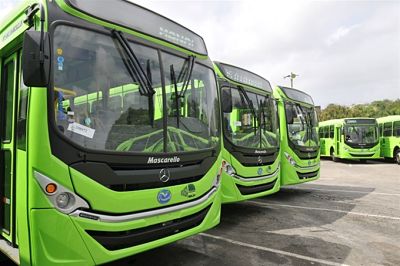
(361, 134)
(252, 120)
(301, 125)
(99, 105)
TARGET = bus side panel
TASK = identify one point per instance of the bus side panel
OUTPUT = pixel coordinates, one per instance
(57, 244)
(21, 209)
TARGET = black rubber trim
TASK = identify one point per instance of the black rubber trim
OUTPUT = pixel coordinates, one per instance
(304, 152)
(247, 190)
(307, 175)
(125, 179)
(361, 145)
(362, 155)
(134, 237)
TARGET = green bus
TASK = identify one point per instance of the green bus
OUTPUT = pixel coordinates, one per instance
(349, 138)
(110, 131)
(299, 139)
(389, 128)
(251, 151)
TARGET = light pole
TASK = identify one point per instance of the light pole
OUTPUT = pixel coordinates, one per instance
(292, 76)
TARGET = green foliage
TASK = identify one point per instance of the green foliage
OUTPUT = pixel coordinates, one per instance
(375, 109)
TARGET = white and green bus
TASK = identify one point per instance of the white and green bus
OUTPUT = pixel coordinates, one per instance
(389, 128)
(110, 132)
(251, 150)
(350, 138)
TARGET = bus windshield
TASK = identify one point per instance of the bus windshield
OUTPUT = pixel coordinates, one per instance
(101, 104)
(302, 125)
(361, 134)
(252, 120)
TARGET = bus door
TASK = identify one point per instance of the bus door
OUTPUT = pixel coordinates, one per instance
(8, 94)
(337, 139)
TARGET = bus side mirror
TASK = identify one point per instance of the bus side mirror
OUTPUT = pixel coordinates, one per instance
(36, 61)
(226, 103)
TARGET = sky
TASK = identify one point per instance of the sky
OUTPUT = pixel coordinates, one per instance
(345, 52)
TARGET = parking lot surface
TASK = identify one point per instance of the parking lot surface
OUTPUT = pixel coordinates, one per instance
(350, 216)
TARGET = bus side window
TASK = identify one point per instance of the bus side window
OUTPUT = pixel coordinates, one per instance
(380, 130)
(387, 129)
(331, 131)
(326, 132)
(396, 128)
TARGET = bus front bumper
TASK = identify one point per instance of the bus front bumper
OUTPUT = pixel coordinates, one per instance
(80, 239)
(237, 188)
(349, 153)
(299, 173)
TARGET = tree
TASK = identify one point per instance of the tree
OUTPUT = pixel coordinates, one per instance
(375, 109)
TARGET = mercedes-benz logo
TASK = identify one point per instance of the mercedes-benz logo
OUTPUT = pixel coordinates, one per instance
(259, 160)
(164, 175)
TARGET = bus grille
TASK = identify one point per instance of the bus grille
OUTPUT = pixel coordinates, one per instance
(247, 190)
(362, 155)
(307, 175)
(134, 237)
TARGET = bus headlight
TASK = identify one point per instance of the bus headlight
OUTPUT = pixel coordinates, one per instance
(63, 200)
(290, 159)
(60, 197)
(228, 168)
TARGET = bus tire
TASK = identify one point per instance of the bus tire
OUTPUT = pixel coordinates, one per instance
(397, 156)
(333, 157)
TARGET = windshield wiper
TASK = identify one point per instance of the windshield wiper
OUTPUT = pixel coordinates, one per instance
(185, 76)
(250, 104)
(262, 113)
(174, 82)
(137, 73)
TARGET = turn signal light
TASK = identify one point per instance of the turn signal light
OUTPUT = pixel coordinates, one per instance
(51, 188)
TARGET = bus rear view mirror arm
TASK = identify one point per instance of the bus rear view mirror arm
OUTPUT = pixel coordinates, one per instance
(36, 59)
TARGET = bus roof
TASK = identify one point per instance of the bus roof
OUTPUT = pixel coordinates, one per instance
(390, 118)
(243, 76)
(142, 20)
(297, 95)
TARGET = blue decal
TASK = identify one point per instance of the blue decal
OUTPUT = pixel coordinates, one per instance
(60, 63)
(164, 196)
(60, 59)
(260, 171)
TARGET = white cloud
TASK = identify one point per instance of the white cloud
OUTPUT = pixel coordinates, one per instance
(345, 51)
(340, 33)
(6, 7)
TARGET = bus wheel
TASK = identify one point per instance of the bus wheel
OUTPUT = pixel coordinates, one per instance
(397, 156)
(333, 157)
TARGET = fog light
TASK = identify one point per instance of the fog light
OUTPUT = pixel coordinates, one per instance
(63, 200)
